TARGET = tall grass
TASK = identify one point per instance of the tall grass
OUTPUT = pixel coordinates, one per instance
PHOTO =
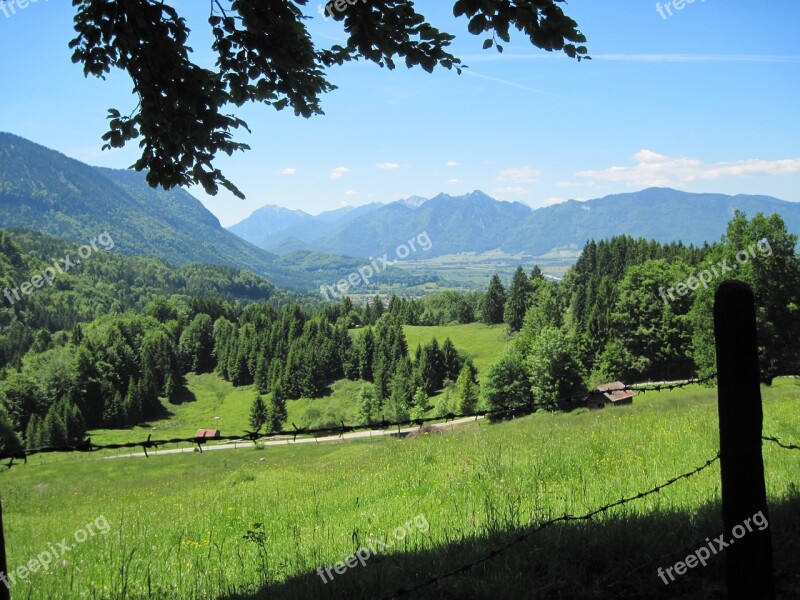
(185, 526)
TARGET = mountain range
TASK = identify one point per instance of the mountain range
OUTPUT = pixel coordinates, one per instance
(477, 223)
(47, 192)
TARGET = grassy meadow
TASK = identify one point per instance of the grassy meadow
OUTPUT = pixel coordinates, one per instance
(252, 523)
(207, 396)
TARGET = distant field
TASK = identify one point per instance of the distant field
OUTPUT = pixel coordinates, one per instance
(179, 523)
(469, 271)
(483, 343)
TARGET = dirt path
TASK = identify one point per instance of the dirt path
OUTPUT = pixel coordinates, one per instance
(290, 441)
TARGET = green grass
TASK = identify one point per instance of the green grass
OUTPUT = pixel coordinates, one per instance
(178, 522)
(483, 343)
(208, 397)
(338, 406)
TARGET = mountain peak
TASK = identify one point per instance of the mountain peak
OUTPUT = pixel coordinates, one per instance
(413, 201)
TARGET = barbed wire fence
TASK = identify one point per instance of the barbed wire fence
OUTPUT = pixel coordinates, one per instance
(549, 523)
(565, 403)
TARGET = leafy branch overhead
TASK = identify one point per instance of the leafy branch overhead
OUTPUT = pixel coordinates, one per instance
(264, 53)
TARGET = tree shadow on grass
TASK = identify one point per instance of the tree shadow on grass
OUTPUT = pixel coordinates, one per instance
(183, 395)
(616, 558)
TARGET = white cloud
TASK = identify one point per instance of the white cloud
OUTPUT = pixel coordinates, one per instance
(350, 193)
(387, 166)
(452, 163)
(453, 181)
(511, 191)
(338, 172)
(519, 175)
(658, 170)
(288, 171)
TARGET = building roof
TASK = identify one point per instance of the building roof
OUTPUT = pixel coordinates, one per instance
(207, 433)
(615, 391)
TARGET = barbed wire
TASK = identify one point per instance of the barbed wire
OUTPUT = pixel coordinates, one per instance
(544, 525)
(255, 436)
(775, 440)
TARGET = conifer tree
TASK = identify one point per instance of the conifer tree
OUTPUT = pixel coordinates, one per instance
(113, 412)
(494, 301)
(467, 390)
(516, 303)
(421, 404)
(367, 404)
(276, 415)
(258, 414)
(33, 433)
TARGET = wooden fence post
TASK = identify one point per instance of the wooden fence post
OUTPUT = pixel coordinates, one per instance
(748, 559)
(5, 592)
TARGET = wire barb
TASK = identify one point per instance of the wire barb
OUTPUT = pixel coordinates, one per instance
(775, 440)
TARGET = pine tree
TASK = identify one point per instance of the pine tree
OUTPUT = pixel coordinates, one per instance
(366, 355)
(33, 433)
(258, 414)
(113, 412)
(431, 370)
(54, 431)
(514, 310)
(196, 345)
(276, 415)
(420, 404)
(451, 361)
(402, 392)
(467, 390)
(396, 407)
(74, 423)
(132, 405)
(494, 301)
(261, 378)
(377, 307)
(367, 405)
(445, 405)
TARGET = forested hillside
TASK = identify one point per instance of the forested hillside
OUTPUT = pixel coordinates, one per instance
(113, 335)
(104, 283)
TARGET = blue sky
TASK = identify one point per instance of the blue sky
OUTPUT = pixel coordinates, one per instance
(705, 100)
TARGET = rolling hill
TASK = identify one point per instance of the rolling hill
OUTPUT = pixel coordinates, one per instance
(45, 191)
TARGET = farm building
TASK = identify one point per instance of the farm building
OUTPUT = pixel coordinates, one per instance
(208, 434)
(614, 394)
